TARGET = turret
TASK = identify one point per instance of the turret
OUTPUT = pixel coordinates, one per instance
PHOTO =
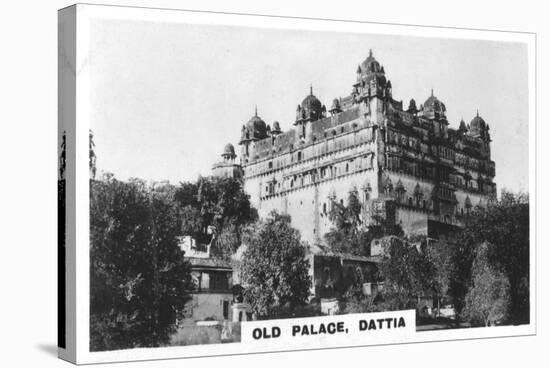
(255, 129)
(310, 110)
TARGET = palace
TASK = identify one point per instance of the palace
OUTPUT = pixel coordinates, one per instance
(406, 165)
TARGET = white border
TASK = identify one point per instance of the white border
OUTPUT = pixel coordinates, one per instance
(86, 13)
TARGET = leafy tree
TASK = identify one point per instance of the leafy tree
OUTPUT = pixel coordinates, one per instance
(440, 254)
(274, 268)
(407, 272)
(487, 300)
(215, 203)
(139, 280)
(504, 226)
(349, 234)
(357, 303)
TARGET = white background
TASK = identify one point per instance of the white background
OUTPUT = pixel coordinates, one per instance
(28, 134)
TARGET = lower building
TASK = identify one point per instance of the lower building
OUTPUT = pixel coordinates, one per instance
(213, 297)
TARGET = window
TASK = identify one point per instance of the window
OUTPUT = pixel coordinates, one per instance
(270, 164)
(324, 208)
(226, 309)
(299, 156)
(219, 280)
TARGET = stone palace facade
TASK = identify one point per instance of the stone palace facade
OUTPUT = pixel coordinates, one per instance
(405, 164)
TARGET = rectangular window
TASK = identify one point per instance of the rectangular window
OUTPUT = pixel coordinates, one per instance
(226, 309)
(219, 280)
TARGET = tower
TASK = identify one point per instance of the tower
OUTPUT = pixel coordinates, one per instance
(254, 130)
(311, 109)
(227, 167)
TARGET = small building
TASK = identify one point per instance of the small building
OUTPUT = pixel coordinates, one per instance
(213, 296)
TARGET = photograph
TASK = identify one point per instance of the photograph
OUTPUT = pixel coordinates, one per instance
(242, 174)
(246, 184)
(256, 184)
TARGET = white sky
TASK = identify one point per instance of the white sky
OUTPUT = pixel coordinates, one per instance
(167, 97)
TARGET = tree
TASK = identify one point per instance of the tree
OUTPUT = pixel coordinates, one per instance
(349, 234)
(440, 254)
(139, 280)
(487, 300)
(407, 272)
(504, 226)
(215, 203)
(274, 268)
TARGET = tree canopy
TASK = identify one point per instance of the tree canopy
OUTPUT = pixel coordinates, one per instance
(504, 226)
(139, 280)
(488, 298)
(407, 272)
(349, 234)
(275, 272)
(215, 203)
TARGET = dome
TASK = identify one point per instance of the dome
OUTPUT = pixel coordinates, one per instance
(412, 106)
(229, 150)
(276, 127)
(477, 123)
(370, 70)
(335, 105)
(433, 107)
(310, 108)
(370, 65)
(478, 127)
(462, 127)
(256, 127)
(311, 103)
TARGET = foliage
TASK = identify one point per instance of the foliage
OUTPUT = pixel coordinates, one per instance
(349, 234)
(91, 153)
(355, 302)
(139, 282)
(218, 204)
(274, 269)
(440, 255)
(407, 272)
(487, 300)
(504, 226)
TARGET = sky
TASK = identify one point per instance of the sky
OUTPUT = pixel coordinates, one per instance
(167, 97)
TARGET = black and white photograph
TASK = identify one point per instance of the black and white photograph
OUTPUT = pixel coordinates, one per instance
(242, 174)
